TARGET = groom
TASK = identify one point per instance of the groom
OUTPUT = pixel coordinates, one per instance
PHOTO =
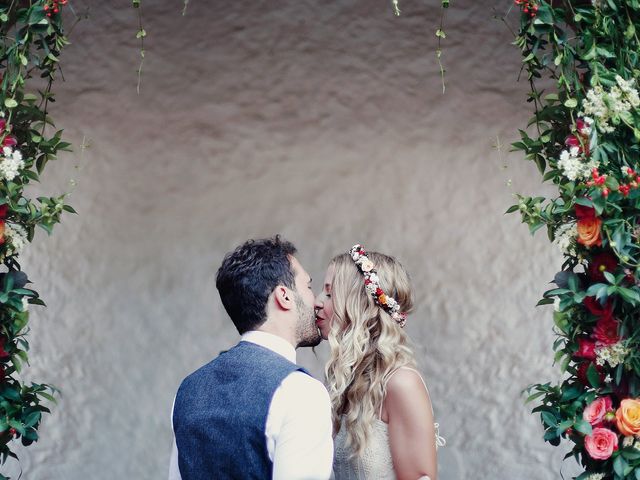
(252, 413)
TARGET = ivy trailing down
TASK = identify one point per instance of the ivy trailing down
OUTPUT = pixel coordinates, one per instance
(584, 138)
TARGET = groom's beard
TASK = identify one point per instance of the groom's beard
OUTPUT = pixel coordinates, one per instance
(308, 333)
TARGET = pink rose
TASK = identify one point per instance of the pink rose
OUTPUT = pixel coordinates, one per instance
(601, 443)
(586, 349)
(596, 410)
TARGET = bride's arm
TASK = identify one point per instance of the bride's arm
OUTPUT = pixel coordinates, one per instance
(411, 429)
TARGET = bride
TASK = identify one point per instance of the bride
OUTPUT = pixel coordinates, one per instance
(382, 414)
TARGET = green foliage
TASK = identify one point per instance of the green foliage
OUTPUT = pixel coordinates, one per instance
(31, 40)
(583, 138)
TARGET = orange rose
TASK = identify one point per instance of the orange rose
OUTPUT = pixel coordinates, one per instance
(628, 417)
(1, 232)
(382, 299)
(589, 231)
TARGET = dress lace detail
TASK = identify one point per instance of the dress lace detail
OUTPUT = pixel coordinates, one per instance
(376, 462)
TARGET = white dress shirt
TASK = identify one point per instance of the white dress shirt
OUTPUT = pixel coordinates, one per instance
(298, 432)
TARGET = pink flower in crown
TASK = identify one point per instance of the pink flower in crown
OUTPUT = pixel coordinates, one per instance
(596, 411)
(601, 444)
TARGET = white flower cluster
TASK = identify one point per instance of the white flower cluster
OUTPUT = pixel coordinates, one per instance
(573, 167)
(25, 304)
(17, 238)
(614, 354)
(11, 163)
(565, 238)
(595, 476)
(608, 107)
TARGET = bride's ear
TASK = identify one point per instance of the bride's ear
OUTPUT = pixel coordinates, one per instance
(283, 297)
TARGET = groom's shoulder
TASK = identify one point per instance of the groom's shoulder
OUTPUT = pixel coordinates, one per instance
(303, 384)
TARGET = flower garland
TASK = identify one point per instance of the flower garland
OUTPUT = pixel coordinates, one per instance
(372, 285)
(586, 143)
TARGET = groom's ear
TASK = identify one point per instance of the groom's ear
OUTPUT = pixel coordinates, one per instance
(283, 297)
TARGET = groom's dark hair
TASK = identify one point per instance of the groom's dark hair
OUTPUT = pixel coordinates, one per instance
(249, 274)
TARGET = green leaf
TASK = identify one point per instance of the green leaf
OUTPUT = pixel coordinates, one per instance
(593, 376)
(619, 465)
(583, 426)
(610, 277)
(549, 419)
(571, 103)
(10, 103)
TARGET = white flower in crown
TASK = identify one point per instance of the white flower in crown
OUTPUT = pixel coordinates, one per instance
(371, 288)
(366, 265)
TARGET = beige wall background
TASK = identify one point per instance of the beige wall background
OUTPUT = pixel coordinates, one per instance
(324, 121)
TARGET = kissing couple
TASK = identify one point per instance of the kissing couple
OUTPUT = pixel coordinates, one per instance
(253, 413)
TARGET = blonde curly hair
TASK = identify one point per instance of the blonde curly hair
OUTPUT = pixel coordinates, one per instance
(367, 345)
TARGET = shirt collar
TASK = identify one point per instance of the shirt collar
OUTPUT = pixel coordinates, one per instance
(273, 342)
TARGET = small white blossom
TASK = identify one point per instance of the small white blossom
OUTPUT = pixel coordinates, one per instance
(25, 304)
(556, 304)
(608, 379)
(573, 167)
(595, 476)
(565, 238)
(17, 238)
(614, 354)
(628, 441)
(608, 107)
(11, 163)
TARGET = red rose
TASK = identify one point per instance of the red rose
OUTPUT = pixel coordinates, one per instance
(581, 126)
(3, 352)
(596, 308)
(572, 141)
(584, 213)
(9, 141)
(606, 331)
(586, 349)
(581, 373)
(603, 262)
(4, 209)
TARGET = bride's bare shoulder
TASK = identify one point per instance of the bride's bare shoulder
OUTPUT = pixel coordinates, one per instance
(406, 385)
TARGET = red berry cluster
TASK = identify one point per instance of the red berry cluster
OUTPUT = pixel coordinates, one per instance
(53, 6)
(598, 181)
(633, 183)
(528, 6)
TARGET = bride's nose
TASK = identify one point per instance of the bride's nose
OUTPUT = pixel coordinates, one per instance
(318, 303)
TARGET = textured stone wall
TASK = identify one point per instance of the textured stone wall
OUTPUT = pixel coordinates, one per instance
(324, 121)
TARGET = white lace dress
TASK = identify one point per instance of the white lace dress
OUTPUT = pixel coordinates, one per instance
(376, 462)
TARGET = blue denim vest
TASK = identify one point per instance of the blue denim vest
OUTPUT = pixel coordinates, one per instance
(220, 414)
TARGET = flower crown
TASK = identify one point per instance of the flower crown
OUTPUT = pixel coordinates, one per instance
(372, 285)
